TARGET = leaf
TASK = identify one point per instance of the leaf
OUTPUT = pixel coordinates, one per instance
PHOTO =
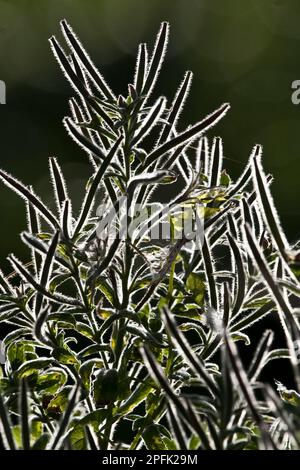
(266, 204)
(91, 438)
(24, 416)
(64, 355)
(84, 330)
(94, 419)
(176, 107)
(51, 381)
(5, 285)
(5, 427)
(29, 196)
(249, 320)
(38, 327)
(56, 405)
(156, 59)
(18, 352)
(155, 177)
(226, 304)
(246, 211)
(276, 354)
(187, 136)
(216, 218)
(194, 442)
(289, 396)
(86, 370)
(106, 290)
(237, 260)
(242, 380)
(209, 269)
(42, 248)
(151, 120)
(153, 438)
(93, 349)
(232, 226)
(227, 392)
(90, 195)
(141, 68)
(59, 435)
(194, 326)
(157, 374)
(41, 443)
(177, 428)
(274, 402)
(32, 367)
(261, 353)
(284, 309)
(36, 431)
(221, 231)
(22, 271)
(197, 426)
(46, 272)
(225, 179)
(59, 184)
(241, 337)
(244, 178)
(11, 337)
(66, 219)
(216, 161)
(77, 438)
(34, 226)
(184, 349)
(9, 312)
(196, 285)
(84, 142)
(66, 67)
(290, 286)
(84, 58)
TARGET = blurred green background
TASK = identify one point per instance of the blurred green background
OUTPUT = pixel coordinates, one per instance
(241, 51)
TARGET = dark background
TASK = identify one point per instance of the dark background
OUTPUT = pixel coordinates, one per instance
(242, 51)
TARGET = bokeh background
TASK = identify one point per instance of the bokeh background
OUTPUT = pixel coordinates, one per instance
(242, 51)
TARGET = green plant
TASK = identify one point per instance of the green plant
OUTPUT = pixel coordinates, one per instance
(107, 332)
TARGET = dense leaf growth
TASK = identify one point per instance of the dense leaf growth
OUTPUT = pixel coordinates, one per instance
(106, 334)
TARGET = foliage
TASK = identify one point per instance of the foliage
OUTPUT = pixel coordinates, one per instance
(107, 333)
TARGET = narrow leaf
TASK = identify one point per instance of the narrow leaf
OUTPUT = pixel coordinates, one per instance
(156, 59)
(188, 135)
(150, 121)
(29, 196)
(178, 430)
(216, 161)
(176, 107)
(22, 271)
(46, 272)
(209, 269)
(66, 219)
(25, 425)
(59, 184)
(90, 195)
(237, 259)
(5, 426)
(141, 68)
(266, 204)
(261, 352)
(84, 58)
(247, 390)
(185, 349)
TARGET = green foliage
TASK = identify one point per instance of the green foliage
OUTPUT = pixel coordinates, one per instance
(104, 331)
